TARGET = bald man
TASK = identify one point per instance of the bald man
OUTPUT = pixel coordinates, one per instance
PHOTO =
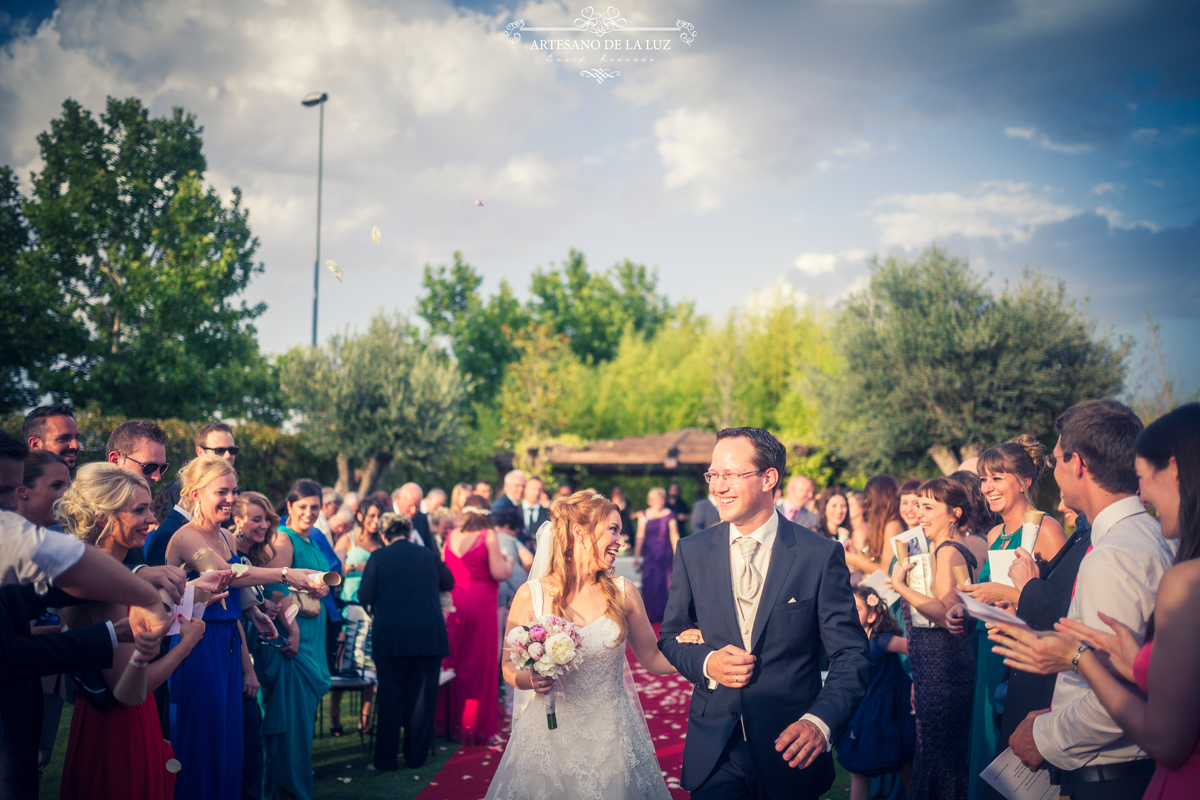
(799, 492)
(407, 501)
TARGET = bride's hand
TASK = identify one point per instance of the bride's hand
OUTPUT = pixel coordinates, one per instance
(690, 636)
(541, 684)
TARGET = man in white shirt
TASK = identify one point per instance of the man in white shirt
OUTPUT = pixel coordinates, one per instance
(1090, 757)
(774, 604)
(533, 513)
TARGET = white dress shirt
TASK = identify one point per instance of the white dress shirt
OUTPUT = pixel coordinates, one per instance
(29, 554)
(1119, 577)
(529, 515)
(747, 612)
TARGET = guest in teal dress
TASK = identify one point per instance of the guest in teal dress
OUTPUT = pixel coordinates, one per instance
(296, 677)
(1009, 474)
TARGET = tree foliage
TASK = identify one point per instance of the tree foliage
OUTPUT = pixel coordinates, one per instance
(138, 267)
(386, 399)
(935, 363)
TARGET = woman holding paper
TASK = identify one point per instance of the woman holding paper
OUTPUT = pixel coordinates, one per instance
(116, 749)
(1164, 717)
(207, 689)
(943, 664)
(296, 677)
(1009, 474)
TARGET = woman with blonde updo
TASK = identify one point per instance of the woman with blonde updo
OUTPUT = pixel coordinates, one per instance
(1009, 474)
(472, 554)
(116, 749)
(206, 691)
(601, 735)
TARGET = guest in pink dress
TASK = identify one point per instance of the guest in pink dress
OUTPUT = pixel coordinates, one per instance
(473, 555)
(1165, 723)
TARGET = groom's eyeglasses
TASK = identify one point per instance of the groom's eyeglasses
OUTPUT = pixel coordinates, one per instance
(730, 478)
(220, 451)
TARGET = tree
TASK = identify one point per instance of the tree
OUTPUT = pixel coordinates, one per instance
(453, 308)
(148, 266)
(934, 363)
(593, 310)
(534, 399)
(388, 398)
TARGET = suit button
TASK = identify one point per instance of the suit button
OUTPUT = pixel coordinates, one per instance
(733, 715)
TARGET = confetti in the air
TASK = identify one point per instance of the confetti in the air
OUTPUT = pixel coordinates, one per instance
(173, 765)
(375, 234)
(337, 269)
(478, 202)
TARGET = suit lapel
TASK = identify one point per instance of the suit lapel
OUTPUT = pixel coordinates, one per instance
(782, 557)
(721, 579)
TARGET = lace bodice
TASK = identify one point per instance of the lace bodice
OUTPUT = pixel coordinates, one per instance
(601, 750)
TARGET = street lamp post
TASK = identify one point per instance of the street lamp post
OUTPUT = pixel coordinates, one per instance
(310, 100)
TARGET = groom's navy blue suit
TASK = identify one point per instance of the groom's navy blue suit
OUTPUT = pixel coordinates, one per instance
(806, 614)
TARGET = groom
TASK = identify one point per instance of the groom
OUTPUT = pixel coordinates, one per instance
(773, 602)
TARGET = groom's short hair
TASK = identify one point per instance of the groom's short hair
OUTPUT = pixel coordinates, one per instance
(769, 452)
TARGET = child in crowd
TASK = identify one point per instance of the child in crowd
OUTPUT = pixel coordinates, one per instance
(882, 736)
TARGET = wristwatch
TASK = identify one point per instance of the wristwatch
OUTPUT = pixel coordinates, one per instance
(283, 575)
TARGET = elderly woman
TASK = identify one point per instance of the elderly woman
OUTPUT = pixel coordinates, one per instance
(116, 749)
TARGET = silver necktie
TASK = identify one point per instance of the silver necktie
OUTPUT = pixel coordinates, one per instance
(749, 582)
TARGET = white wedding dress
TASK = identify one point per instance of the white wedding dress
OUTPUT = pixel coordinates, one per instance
(600, 750)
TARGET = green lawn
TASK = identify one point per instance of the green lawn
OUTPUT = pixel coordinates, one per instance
(331, 757)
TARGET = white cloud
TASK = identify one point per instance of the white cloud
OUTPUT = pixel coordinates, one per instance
(1116, 219)
(696, 147)
(1006, 212)
(1043, 141)
(814, 264)
(761, 302)
(1103, 188)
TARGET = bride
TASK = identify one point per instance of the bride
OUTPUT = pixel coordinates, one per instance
(601, 749)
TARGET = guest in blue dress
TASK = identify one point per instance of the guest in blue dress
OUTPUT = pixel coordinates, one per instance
(882, 736)
(206, 688)
(654, 550)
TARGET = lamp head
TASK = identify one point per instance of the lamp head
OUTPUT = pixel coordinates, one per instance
(314, 99)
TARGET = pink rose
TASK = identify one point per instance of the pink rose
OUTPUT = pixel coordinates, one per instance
(537, 633)
(537, 650)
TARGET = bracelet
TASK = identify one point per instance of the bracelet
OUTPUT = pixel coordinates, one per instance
(1083, 648)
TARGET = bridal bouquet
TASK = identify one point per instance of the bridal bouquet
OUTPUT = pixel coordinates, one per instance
(549, 646)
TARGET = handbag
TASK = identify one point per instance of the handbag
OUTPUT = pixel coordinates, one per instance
(920, 579)
(309, 606)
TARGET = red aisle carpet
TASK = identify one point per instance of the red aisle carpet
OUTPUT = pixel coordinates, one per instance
(664, 699)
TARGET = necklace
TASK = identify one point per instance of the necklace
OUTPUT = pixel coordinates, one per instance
(1005, 538)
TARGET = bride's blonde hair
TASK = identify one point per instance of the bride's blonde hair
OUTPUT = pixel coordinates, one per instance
(588, 510)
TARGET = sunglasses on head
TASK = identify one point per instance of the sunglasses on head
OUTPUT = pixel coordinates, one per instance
(220, 451)
(148, 469)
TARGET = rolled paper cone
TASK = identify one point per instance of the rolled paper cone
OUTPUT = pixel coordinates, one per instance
(332, 579)
(166, 598)
(962, 576)
(239, 570)
(173, 765)
(290, 614)
(198, 611)
(901, 550)
(1029, 530)
(205, 560)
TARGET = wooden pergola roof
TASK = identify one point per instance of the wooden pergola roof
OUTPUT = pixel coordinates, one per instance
(674, 452)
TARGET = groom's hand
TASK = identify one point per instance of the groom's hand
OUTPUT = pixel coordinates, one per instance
(731, 666)
(801, 742)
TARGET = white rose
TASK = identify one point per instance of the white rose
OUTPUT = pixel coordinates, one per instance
(560, 648)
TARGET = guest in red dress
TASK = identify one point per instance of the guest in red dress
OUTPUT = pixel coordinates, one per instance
(473, 555)
(116, 750)
(1165, 722)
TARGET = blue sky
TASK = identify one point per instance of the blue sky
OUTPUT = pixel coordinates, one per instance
(781, 148)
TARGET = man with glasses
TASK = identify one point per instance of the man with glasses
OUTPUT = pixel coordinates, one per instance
(216, 438)
(773, 602)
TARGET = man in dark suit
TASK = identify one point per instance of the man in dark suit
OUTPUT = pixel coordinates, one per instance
(514, 491)
(774, 604)
(407, 501)
(533, 513)
(24, 659)
(400, 589)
